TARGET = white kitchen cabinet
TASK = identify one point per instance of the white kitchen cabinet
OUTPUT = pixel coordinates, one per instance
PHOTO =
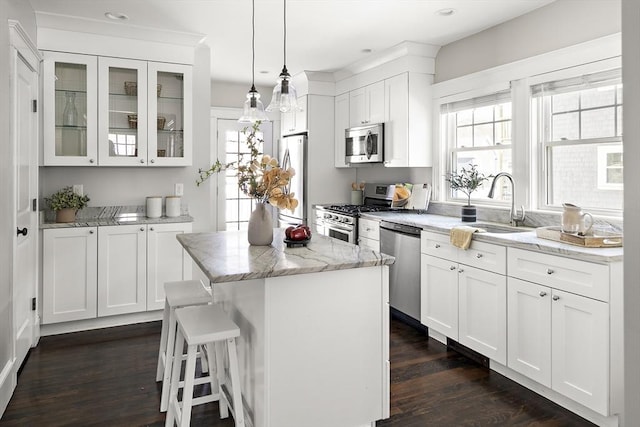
(367, 105)
(103, 111)
(70, 109)
(341, 113)
(69, 274)
(167, 261)
(122, 269)
(295, 121)
(407, 119)
(369, 234)
(463, 295)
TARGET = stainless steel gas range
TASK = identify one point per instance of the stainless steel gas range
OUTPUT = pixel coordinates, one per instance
(341, 220)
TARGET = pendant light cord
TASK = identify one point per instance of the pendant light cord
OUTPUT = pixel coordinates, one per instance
(284, 20)
(253, 43)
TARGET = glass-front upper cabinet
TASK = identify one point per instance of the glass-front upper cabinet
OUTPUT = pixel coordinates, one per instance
(122, 102)
(170, 104)
(70, 105)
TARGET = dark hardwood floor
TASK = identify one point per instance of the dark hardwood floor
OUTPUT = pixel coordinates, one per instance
(107, 378)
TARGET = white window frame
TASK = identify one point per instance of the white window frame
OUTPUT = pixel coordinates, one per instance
(603, 168)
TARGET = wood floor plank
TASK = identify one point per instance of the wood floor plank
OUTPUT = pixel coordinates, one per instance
(107, 378)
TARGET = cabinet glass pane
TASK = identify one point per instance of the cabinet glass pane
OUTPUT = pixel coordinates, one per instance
(170, 120)
(71, 109)
(123, 112)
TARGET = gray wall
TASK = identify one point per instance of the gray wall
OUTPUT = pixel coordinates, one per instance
(233, 95)
(129, 186)
(560, 24)
(19, 10)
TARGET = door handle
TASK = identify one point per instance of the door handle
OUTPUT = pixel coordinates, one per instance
(24, 231)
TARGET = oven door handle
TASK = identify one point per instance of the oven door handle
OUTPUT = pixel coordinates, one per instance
(337, 227)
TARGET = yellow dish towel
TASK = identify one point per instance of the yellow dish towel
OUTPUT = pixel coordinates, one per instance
(461, 236)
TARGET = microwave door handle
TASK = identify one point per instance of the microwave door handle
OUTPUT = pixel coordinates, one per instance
(369, 145)
(286, 164)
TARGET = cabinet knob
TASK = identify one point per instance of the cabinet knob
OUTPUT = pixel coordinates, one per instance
(152, 161)
(453, 267)
(460, 270)
(478, 256)
(91, 231)
(437, 245)
(141, 160)
(555, 297)
(549, 271)
(141, 228)
(24, 231)
(151, 229)
(91, 161)
(543, 294)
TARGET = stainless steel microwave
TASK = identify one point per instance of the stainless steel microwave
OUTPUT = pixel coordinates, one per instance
(365, 144)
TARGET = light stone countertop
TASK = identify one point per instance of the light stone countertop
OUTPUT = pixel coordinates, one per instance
(523, 240)
(111, 215)
(227, 256)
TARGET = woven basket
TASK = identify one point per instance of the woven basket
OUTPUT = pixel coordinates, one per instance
(161, 122)
(131, 88)
(133, 121)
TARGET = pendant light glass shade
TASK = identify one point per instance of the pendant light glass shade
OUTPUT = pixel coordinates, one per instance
(285, 96)
(253, 109)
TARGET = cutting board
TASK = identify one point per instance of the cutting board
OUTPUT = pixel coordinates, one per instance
(555, 233)
(420, 194)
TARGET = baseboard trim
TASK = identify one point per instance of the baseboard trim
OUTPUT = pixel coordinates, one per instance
(7, 385)
(99, 323)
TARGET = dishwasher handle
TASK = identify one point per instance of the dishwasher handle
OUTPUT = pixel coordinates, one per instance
(401, 228)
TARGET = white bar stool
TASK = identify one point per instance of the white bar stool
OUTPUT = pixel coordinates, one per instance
(205, 325)
(178, 294)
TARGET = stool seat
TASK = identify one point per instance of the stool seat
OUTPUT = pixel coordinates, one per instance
(202, 325)
(186, 292)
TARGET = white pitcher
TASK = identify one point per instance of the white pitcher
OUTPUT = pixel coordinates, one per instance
(573, 219)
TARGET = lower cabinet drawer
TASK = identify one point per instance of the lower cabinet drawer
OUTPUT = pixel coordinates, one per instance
(567, 274)
(437, 244)
(374, 245)
(369, 229)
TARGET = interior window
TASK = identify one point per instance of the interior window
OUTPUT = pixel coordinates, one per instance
(478, 131)
(579, 129)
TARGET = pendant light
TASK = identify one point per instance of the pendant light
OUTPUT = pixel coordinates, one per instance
(285, 97)
(253, 110)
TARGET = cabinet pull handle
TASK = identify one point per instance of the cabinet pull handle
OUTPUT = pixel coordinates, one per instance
(91, 232)
(453, 267)
(437, 245)
(141, 228)
(549, 271)
(478, 256)
(152, 161)
(141, 160)
(91, 160)
(151, 229)
(460, 270)
(24, 231)
(543, 294)
(555, 297)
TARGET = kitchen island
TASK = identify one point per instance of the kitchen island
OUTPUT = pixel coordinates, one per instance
(314, 324)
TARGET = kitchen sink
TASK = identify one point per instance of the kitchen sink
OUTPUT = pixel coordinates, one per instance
(500, 228)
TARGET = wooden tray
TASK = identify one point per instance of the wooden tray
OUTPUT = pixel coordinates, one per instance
(556, 233)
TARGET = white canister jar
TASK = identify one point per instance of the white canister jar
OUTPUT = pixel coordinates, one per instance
(154, 206)
(173, 205)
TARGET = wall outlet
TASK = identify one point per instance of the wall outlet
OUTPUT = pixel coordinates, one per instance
(178, 189)
(77, 188)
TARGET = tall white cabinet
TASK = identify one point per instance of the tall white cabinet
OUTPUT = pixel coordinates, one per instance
(104, 111)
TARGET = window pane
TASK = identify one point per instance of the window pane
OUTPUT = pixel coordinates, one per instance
(464, 117)
(503, 111)
(565, 102)
(598, 97)
(465, 136)
(483, 114)
(565, 127)
(598, 123)
(490, 162)
(503, 133)
(573, 178)
(483, 135)
(618, 121)
(619, 93)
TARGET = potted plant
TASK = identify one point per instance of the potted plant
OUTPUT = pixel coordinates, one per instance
(66, 204)
(467, 180)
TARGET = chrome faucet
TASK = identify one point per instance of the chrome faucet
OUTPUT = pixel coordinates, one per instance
(514, 216)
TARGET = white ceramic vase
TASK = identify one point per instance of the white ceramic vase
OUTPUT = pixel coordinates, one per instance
(260, 232)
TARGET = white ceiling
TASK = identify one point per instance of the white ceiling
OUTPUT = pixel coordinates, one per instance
(322, 35)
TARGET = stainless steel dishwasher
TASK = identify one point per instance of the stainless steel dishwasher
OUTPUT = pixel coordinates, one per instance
(403, 242)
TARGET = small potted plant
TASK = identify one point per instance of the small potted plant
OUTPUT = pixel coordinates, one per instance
(66, 204)
(467, 180)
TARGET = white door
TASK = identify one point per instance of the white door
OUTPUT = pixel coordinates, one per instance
(25, 139)
(439, 295)
(529, 331)
(235, 207)
(167, 261)
(122, 269)
(483, 312)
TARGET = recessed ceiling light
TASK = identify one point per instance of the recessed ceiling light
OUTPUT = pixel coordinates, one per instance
(446, 12)
(116, 16)
(366, 50)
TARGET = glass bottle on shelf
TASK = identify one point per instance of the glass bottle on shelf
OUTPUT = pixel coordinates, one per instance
(70, 114)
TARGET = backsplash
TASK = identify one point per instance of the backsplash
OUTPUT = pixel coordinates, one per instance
(500, 215)
(106, 212)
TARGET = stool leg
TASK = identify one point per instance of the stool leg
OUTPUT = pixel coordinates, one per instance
(204, 363)
(170, 357)
(187, 391)
(238, 409)
(210, 358)
(222, 402)
(174, 384)
(162, 353)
